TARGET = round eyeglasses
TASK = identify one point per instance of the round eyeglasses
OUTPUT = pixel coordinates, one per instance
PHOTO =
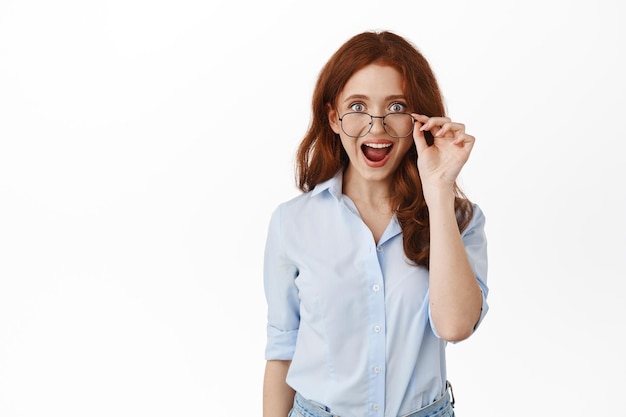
(359, 124)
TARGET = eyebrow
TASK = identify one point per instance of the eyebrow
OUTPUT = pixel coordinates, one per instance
(364, 97)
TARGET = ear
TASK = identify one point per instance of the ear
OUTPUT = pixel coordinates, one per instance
(333, 118)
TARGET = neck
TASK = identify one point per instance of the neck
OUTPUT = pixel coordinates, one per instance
(373, 193)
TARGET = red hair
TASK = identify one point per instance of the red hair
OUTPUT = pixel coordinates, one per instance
(320, 154)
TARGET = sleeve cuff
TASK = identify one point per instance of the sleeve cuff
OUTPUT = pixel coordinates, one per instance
(281, 344)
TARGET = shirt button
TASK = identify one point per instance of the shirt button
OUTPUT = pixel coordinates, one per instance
(375, 287)
(377, 369)
(379, 248)
(375, 407)
(377, 329)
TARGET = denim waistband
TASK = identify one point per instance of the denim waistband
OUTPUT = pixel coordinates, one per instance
(436, 409)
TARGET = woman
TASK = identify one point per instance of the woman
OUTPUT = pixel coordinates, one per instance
(381, 260)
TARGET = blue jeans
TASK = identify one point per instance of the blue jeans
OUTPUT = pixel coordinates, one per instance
(443, 407)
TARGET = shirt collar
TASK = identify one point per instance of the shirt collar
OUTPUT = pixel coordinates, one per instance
(334, 186)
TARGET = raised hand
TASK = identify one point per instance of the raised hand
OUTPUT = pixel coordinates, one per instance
(440, 164)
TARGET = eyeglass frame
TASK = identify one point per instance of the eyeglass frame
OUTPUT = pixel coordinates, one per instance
(372, 124)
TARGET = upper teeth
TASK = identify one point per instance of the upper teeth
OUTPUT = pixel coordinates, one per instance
(378, 145)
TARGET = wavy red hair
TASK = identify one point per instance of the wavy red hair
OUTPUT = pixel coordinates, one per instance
(320, 154)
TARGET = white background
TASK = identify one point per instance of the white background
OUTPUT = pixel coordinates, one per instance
(144, 144)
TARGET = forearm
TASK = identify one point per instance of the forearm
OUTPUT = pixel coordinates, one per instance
(277, 395)
(455, 297)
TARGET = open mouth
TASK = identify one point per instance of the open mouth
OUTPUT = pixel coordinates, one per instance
(376, 152)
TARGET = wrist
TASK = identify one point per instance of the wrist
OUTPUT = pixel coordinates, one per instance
(439, 197)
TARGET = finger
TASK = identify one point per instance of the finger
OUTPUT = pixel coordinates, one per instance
(435, 123)
(422, 118)
(418, 133)
(465, 140)
(455, 128)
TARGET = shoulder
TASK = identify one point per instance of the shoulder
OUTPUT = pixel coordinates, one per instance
(478, 215)
(475, 230)
(315, 199)
(296, 203)
(289, 209)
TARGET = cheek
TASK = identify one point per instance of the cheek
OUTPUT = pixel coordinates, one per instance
(349, 145)
(404, 146)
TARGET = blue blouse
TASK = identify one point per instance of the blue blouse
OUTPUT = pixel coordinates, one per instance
(353, 316)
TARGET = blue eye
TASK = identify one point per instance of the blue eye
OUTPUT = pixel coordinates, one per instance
(357, 107)
(397, 108)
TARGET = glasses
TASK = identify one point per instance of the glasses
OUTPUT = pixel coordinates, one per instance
(359, 124)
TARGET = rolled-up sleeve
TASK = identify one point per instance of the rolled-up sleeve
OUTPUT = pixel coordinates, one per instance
(281, 293)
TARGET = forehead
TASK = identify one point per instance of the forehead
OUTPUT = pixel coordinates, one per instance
(375, 82)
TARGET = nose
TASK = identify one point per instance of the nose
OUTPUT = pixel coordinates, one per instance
(378, 128)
